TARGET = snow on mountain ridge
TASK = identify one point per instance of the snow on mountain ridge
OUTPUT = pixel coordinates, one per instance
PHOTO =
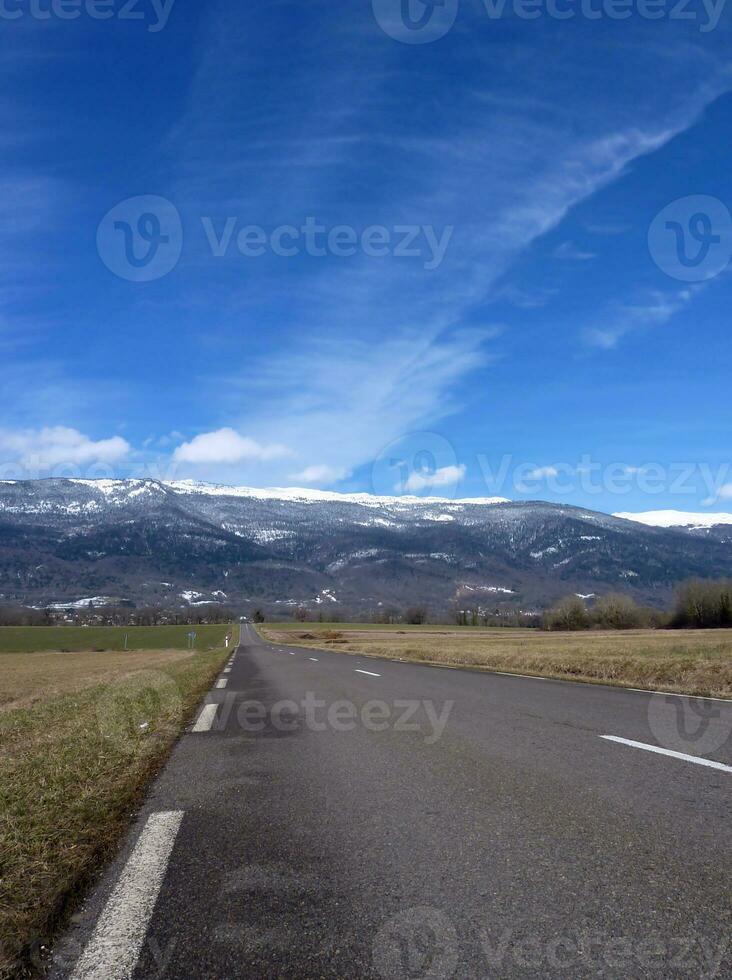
(136, 487)
(109, 487)
(676, 518)
(308, 495)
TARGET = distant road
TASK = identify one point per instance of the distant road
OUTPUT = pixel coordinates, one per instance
(503, 836)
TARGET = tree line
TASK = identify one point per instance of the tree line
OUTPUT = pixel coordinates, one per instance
(415, 616)
(699, 604)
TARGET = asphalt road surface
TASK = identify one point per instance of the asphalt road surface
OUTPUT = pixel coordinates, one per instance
(336, 816)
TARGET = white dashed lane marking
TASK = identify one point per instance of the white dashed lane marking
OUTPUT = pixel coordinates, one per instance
(206, 719)
(115, 944)
(674, 755)
(369, 672)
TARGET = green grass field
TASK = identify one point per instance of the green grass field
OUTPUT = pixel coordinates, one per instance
(30, 639)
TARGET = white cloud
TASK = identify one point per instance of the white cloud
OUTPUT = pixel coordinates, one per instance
(543, 473)
(723, 493)
(654, 310)
(340, 405)
(228, 447)
(42, 449)
(568, 250)
(319, 473)
(445, 476)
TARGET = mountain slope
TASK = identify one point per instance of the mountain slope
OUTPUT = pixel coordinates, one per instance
(155, 543)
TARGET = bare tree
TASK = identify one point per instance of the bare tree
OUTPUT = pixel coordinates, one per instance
(569, 613)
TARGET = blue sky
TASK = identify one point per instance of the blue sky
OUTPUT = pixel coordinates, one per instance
(546, 327)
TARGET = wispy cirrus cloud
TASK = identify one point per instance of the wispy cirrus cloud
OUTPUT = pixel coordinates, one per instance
(526, 160)
(391, 349)
(340, 406)
(572, 252)
(654, 310)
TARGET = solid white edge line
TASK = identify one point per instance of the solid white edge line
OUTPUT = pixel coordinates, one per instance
(222, 682)
(114, 947)
(530, 677)
(674, 755)
(369, 672)
(206, 719)
(675, 694)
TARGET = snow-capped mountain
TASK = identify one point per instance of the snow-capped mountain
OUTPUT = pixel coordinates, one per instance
(677, 518)
(81, 541)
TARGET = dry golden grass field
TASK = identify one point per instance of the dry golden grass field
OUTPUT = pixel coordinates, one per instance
(34, 678)
(80, 736)
(683, 661)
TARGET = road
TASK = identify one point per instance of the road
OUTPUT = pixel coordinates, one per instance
(399, 820)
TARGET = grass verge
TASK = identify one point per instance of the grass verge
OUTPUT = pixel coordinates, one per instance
(680, 661)
(72, 769)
